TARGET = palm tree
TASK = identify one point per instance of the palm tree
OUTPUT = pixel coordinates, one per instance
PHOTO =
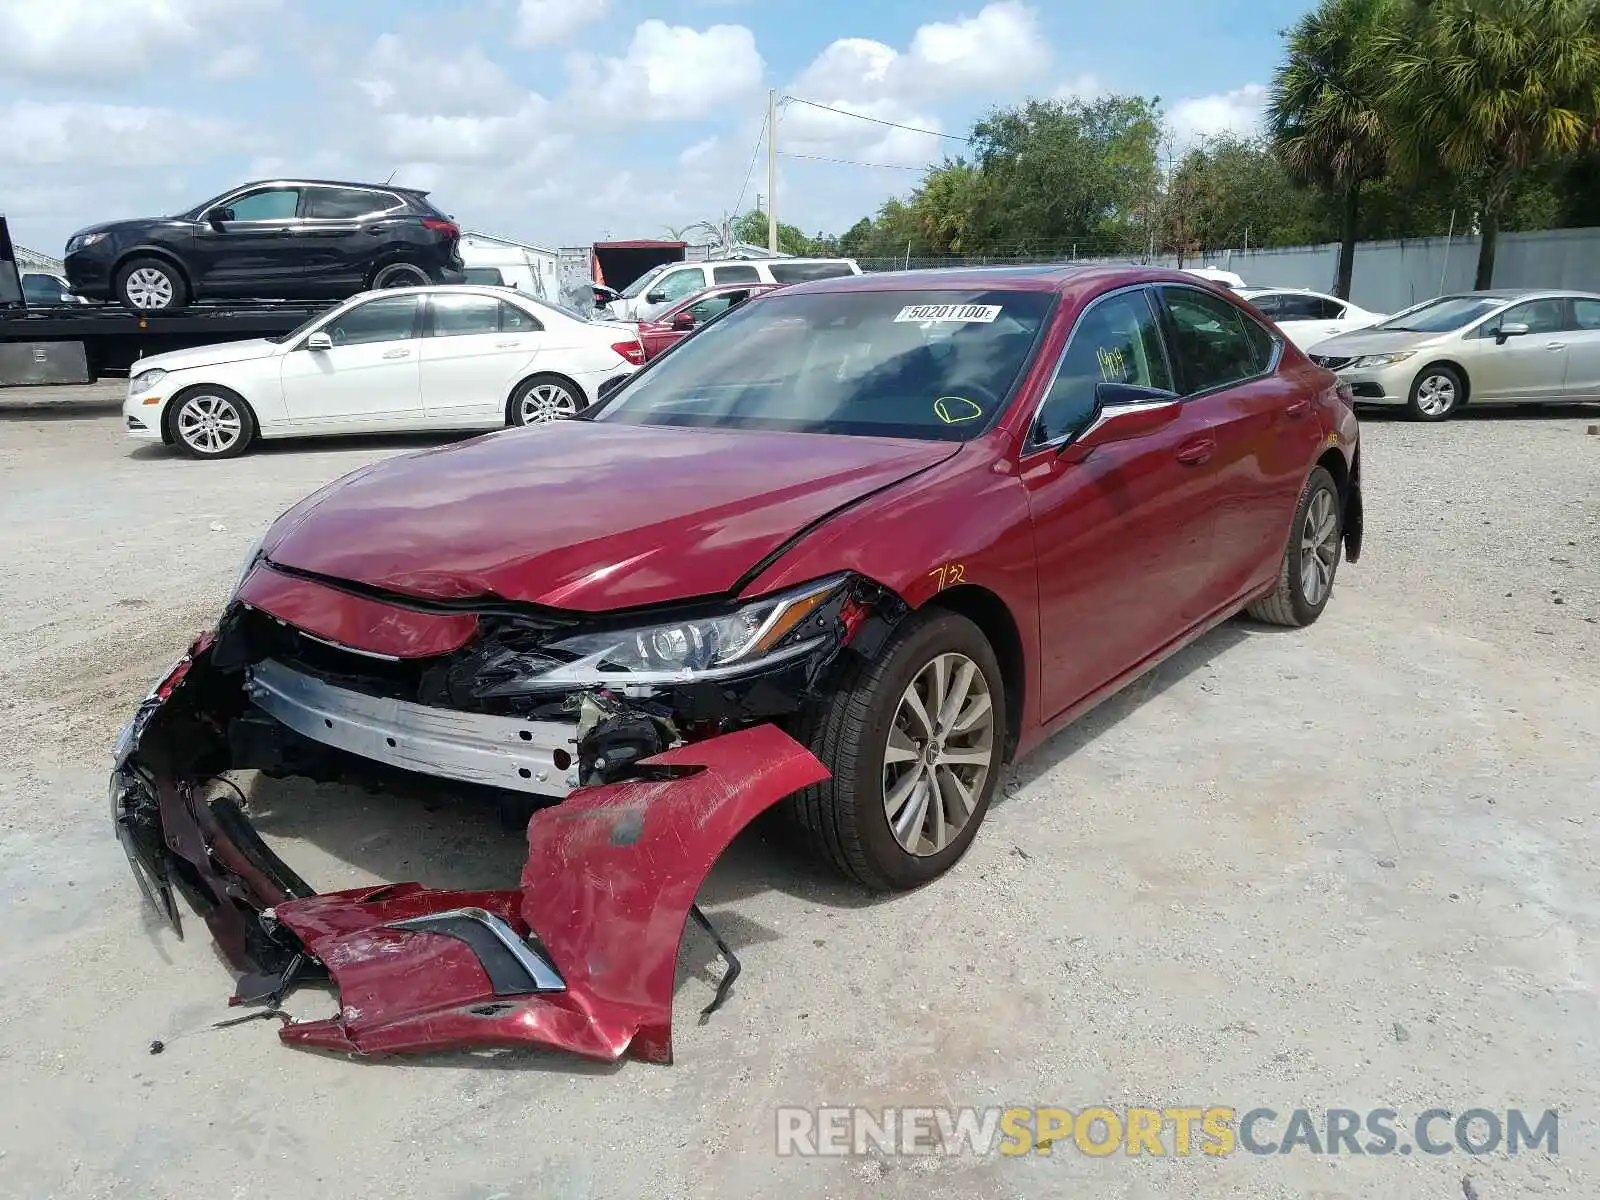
(1486, 89)
(1323, 113)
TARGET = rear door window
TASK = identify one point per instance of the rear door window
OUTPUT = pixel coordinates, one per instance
(735, 275)
(1586, 314)
(1297, 306)
(464, 314)
(344, 204)
(1214, 343)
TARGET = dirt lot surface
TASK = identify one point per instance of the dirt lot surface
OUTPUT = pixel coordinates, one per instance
(1356, 867)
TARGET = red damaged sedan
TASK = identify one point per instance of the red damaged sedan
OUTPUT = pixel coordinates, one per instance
(849, 550)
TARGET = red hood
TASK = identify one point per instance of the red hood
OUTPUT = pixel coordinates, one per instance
(586, 515)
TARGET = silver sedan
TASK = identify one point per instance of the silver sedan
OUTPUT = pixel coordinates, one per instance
(1490, 347)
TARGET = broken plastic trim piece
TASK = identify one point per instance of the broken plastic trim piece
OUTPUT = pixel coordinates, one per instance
(514, 969)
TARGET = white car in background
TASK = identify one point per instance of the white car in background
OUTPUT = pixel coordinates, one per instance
(444, 357)
(659, 288)
(1308, 317)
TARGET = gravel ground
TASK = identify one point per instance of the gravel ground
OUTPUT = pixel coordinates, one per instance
(1354, 866)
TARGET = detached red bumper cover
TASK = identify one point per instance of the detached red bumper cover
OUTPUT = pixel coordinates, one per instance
(582, 956)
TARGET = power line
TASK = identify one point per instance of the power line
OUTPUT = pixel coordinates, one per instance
(750, 170)
(954, 137)
(849, 162)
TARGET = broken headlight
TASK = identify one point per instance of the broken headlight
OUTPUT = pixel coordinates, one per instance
(244, 567)
(761, 633)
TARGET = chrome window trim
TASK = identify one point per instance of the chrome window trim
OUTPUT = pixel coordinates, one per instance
(1029, 446)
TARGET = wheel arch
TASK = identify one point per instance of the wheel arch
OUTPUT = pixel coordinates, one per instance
(392, 258)
(993, 618)
(161, 252)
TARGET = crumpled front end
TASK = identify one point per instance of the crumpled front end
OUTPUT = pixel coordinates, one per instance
(581, 956)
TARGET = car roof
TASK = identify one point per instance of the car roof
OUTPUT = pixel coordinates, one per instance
(296, 181)
(1033, 277)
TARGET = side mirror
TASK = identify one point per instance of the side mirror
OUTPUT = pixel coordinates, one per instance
(655, 297)
(319, 341)
(1123, 412)
(1510, 329)
(683, 322)
(219, 215)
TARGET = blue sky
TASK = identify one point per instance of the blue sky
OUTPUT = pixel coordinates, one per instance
(562, 121)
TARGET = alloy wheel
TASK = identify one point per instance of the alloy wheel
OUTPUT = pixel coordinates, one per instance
(209, 424)
(546, 402)
(941, 748)
(149, 287)
(1319, 547)
(1436, 395)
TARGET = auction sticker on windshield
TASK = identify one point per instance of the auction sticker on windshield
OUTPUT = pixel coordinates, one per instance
(949, 312)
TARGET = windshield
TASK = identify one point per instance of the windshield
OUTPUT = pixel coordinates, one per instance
(930, 365)
(639, 284)
(1443, 315)
(303, 327)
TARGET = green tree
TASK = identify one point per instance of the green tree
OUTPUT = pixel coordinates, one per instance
(752, 228)
(1325, 114)
(1054, 173)
(1233, 191)
(1489, 91)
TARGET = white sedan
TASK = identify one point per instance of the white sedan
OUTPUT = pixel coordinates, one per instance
(443, 357)
(1307, 317)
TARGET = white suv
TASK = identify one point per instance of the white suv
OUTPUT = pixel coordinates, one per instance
(659, 288)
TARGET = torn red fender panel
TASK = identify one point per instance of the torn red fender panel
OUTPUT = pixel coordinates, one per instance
(583, 957)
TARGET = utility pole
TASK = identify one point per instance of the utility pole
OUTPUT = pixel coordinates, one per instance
(772, 170)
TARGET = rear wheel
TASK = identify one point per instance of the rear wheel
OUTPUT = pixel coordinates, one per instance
(915, 742)
(1436, 393)
(543, 398)
(400, 274)
(151, 285)
(212, 422)
(1310, 560)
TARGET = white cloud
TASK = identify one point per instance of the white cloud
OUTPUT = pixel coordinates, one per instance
(108, 135)
(995, 49)
(670, 72)
(1087, 86)
(235, 62)
(544, 22)
(1239, 111)
(400, 77)
(104, 40)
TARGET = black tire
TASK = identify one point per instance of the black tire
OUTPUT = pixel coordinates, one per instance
(397, 275)
(1289, 604)
(541, 393)
(150, 284)
(844, 818)
(1437, 393)
(218, 402)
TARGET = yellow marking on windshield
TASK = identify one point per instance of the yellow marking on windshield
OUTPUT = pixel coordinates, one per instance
(952, 410)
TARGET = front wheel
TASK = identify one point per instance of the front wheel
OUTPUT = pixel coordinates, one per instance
(915, 741)
(212, 422)
(1436, 393)
(151, 285)
(1310, 560)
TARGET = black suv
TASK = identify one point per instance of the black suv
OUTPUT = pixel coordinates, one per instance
(284, 239)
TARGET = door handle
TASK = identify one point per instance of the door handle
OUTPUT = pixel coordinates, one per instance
(1297, 408)
(1196, 450)
(1555, 345)
(511, 345)
(397, 354)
